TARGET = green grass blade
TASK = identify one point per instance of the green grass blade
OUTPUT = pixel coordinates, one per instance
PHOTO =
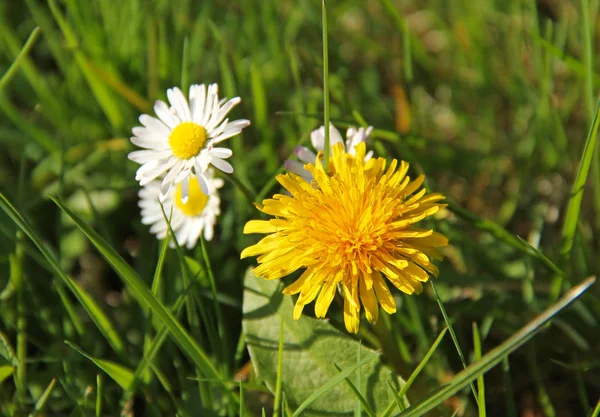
(69, 307)
(453, 335)
(101, 93)
(98, 316)
(574, 206)
(12, 70)
(327, 149)
(119, 373)
(480, 381)
(596, 411)
(589, 96)
(496, 355)
(145, 297)
(503, 235)
(508, 389)
(277, 404)
(357, 393)
(99, 390)
(414, 375)
(213, 288)
(41, 402)
(330, 384)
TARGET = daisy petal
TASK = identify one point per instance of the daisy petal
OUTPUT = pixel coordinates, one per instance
(164, 114)
(222, 165)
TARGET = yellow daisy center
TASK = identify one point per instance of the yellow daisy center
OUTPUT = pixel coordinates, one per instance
(196, 199)
(187, 140)
(353, 230)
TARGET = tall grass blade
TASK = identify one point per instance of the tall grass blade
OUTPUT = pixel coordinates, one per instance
(327, 149)
(496, 355)
(41, 402)
(480, 380)
(574, 205)
(120, 374)
(277, 404)
(98, 316)
(414, 375)
(453, 335)
(12, 70)
(358, 395)
(146, 299)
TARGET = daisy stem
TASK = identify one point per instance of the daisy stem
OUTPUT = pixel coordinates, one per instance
(326, 150)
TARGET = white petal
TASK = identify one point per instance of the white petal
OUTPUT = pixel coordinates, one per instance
(305, 155)
(185, 186)
(196, 229)
(216, 183)
(298, 169)
(153, 124)
(197, 101)
(368, 156)
(222, 165)
(317, 138)
(222, 153)
(226, 135)
(149, 144)
(334, 135)
(220, 115)
(208, 232)
(202, 161)
(164, 114)
(212, 99)
(154, 135)
(141, 157)
(204, 184)
(178, 101)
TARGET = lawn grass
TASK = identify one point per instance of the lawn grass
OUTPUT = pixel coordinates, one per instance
(495, 101)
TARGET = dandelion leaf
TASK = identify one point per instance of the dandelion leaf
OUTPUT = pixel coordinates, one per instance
(310, 349)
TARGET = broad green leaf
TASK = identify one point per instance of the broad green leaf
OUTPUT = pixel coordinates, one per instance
(120, 374)
(312, 348)
(6, 371)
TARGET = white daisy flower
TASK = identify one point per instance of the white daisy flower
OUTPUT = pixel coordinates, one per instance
(317, 137)
(189, 219)
(180, 143)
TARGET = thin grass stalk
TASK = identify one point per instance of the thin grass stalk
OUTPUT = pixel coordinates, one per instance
(327, 149)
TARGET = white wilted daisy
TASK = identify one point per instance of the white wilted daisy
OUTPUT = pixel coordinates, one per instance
(189, 219)
(180, 143)
(317, 137)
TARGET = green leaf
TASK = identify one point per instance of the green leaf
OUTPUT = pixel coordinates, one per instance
(6, 371)
(496, 355)
(120, 374)
(310, 379)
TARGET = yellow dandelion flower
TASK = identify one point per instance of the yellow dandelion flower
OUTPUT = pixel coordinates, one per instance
(350, 228)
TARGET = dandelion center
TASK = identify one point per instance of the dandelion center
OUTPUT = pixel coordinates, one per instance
(196, 199)
(187, 140)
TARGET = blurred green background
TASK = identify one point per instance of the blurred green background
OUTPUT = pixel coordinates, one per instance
(492, 99)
